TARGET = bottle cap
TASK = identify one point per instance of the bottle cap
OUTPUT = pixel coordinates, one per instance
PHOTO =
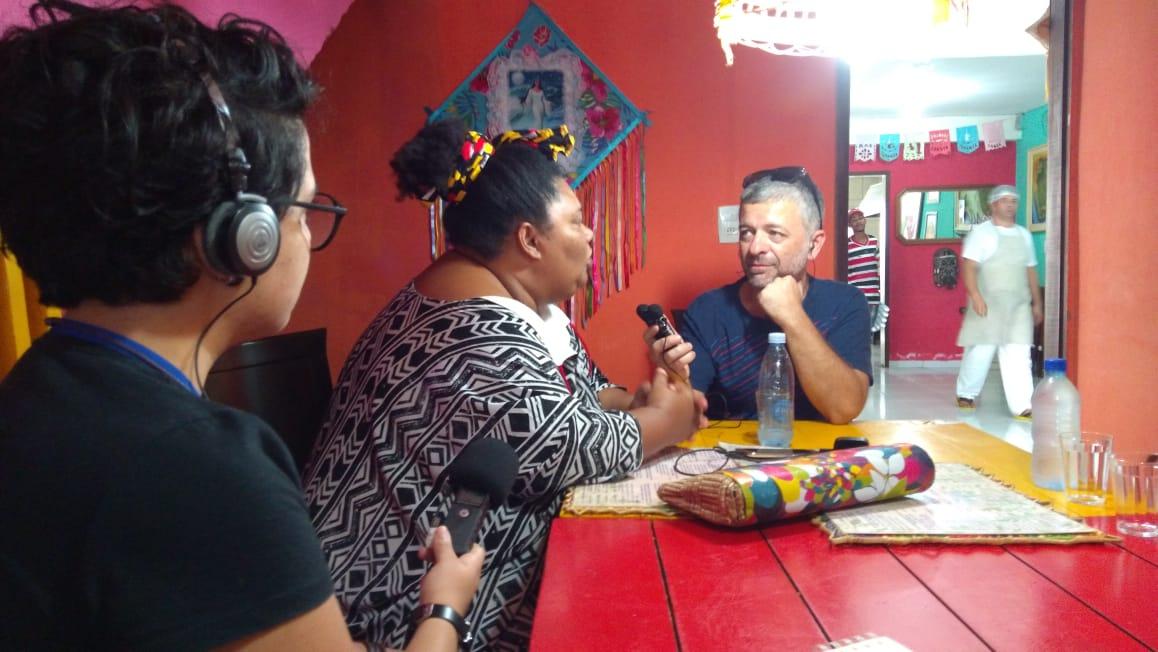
(1055, 365)
(777, 338)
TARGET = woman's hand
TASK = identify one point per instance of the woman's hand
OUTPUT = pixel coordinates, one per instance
(644, 390)
(674, 412)
(641, 394)
(452, 580)
(701, 406)
(670, 352)
(677, 401)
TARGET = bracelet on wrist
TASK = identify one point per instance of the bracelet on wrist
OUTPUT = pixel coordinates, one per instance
(447, 613)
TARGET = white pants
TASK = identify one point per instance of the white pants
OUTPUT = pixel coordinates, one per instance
(1015, 373)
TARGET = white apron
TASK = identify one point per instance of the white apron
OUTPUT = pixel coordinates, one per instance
(1004, 286)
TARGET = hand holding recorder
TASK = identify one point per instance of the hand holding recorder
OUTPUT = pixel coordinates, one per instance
(665, 346)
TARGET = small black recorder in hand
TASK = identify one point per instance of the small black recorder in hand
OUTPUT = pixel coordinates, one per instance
(652, 315)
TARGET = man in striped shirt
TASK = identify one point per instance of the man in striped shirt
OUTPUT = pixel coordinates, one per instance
(864, 261)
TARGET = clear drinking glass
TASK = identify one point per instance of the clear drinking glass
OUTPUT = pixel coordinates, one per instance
(1135, 480)
(1086, 467)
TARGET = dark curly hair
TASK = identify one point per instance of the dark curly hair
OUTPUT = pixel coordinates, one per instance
(517, 185)
(111, 153)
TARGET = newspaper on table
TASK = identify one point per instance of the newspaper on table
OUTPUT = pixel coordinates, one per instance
(962, 503)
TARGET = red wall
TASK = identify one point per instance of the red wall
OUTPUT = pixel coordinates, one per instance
(923, 318)
(1114, 299)
(710, 126)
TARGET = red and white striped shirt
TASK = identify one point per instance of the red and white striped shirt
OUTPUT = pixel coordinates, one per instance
(863, 268)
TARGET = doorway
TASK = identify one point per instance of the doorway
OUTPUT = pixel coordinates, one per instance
(983, 102)
(869, 193)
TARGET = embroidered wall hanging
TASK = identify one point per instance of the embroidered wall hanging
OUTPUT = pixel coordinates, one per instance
(537, 77)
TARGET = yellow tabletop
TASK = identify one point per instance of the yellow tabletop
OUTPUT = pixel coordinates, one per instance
(944, 441)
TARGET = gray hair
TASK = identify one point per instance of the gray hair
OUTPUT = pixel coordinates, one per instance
(767, 190)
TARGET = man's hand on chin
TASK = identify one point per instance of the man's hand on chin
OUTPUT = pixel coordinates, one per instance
(782, 299)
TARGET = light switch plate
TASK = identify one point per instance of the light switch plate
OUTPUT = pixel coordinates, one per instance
(728, 223)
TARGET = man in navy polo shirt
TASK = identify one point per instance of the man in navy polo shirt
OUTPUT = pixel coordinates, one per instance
(725, 331)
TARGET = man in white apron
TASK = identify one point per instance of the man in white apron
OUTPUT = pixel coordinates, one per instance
(1000, 275)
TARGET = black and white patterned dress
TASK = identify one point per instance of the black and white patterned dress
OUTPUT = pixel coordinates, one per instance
(426, 378)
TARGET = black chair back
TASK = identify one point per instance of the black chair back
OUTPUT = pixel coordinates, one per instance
(284, 379)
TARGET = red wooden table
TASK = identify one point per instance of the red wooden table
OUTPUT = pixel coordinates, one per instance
(638, 584)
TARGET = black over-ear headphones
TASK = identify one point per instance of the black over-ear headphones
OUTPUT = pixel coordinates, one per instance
(242, 235)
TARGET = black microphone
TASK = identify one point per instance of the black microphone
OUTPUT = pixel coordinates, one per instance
(652, 315)
(481, 476)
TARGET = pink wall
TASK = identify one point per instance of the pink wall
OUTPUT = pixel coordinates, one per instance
(305, 24)
(923, 318)
(710, 126)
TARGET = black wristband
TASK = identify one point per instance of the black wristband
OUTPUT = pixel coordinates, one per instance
(447, 613)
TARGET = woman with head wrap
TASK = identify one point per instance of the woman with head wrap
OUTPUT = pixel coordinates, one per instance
(475, 346)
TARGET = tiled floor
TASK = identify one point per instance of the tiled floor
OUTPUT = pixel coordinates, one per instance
(930, 394)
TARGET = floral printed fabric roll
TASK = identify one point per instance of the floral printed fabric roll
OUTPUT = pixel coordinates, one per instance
(803, 485)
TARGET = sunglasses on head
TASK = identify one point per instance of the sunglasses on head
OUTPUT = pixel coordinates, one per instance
(790, 174)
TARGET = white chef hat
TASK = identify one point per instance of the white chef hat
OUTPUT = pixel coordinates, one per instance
(1003, 191)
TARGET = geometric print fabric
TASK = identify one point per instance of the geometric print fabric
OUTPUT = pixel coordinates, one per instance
(425, 379)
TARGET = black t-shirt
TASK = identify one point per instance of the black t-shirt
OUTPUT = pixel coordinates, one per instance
(135, 515)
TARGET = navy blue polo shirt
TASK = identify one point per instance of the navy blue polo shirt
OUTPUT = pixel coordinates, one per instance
(730, 343)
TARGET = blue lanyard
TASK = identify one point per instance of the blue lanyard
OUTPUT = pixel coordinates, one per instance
(117, 342)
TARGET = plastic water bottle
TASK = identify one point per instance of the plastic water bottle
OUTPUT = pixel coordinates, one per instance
(1056, 414)
(776, 395)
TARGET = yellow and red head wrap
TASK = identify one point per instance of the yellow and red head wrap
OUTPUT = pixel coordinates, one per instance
(552, 141)
(477, 150)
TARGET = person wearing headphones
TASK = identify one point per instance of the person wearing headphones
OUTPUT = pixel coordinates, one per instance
(156, 184)
(724, 332)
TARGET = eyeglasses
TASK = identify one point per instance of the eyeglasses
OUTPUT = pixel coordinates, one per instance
(323, 215)
(791, 175)
(699, 461)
